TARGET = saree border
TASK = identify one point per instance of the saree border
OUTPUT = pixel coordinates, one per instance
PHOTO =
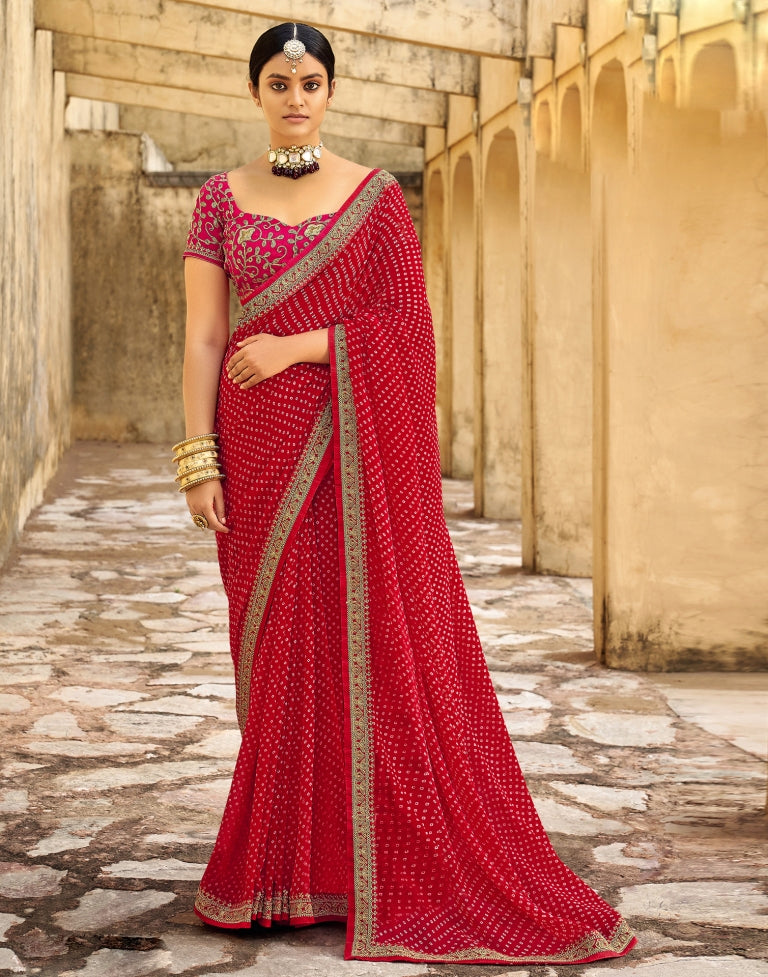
(276, 905)
(294, 502)
(361, 925)
(359, 758)
(293, 278)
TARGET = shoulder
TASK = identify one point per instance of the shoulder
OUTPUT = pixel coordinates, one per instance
(390, 195)
(214, 189)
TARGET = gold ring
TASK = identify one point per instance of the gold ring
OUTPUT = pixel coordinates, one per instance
(200, 521)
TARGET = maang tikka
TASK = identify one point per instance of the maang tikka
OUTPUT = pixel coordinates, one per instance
(294, 50)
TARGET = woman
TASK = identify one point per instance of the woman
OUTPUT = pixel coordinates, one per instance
(375, 783)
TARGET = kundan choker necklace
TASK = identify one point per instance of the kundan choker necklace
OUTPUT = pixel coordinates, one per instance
(295, 161)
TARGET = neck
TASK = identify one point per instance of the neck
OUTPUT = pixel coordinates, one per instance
(284, 139)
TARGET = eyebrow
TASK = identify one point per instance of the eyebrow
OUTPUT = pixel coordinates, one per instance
(275, 74)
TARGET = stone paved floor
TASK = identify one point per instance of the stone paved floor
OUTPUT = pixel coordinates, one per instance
(119, 729)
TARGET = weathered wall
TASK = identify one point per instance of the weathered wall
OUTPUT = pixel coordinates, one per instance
(686, 573)
(35, 365)
(128, 293)
(621, 271)
(200, 143)
(196, 142)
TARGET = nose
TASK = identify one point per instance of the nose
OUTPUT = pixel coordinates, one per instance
(296, 96)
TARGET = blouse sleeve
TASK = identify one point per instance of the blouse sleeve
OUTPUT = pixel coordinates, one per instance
(206, 230)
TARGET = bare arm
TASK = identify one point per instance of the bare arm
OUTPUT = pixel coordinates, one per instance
(207, 336)
(263, 355)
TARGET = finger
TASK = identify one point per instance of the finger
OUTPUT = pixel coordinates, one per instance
(214, 522)
(218, 508)
(250, 382)
(247, 340)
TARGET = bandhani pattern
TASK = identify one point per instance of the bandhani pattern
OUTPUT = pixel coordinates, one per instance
(376, 782)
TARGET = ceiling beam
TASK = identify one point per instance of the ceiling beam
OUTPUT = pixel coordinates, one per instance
(219, 76)
(474, 26)
(233, 108)
(192, 142)
(187, 27)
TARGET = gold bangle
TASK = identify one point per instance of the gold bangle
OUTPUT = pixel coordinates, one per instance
(195, 449)
(194, 461)
(198, 477)
(185, 486)
(193, 472)
(197, 437)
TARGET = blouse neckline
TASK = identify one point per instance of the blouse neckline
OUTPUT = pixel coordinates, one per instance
(268, 217)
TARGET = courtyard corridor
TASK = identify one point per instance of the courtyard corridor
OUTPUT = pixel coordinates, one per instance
(119, 737)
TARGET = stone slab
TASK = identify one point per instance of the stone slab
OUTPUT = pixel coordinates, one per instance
(11, 703)
(189, 951)
(19, 881)
(548, 758)
(7, 920)
(123, 963)
(155, 868)
(106, 778)
(10, 963)
(14, 800)
(95, 698)
(105, 907)
(623, 729)
(605, 798)
(739, 904)
(563, 819)
(704, 966)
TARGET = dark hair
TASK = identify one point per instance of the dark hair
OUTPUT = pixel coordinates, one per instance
(271, 43)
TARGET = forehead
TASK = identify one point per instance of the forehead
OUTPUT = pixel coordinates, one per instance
(277, 65)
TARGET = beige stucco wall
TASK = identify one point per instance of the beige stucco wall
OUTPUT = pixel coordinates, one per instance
(685, 580)
(128, 292)
(620, 263)
(35, 365)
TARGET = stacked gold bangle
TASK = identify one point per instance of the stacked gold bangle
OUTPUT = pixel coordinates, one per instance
(198, 461)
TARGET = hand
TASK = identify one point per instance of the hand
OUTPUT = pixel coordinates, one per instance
(258, 358)
(207, 499)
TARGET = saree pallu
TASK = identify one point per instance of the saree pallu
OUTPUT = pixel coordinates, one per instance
(376, 783)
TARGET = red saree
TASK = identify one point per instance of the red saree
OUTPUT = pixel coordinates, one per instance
(376, 783)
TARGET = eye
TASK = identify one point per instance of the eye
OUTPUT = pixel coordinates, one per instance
(312, 86)
(277, 86)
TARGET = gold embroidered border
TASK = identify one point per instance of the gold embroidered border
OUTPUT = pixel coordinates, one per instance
(295, 277)
(197, 250)
(357, 648)
(585, 948)
(364, 943)
(277, 904)
(285, 518)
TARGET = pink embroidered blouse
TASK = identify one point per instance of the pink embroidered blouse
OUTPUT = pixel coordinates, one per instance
(249, 247)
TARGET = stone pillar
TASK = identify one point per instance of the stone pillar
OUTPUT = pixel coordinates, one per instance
(561, 358)
(502, 339)
(463, 288)
(434, 269)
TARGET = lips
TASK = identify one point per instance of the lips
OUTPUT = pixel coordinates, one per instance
(296, 118)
